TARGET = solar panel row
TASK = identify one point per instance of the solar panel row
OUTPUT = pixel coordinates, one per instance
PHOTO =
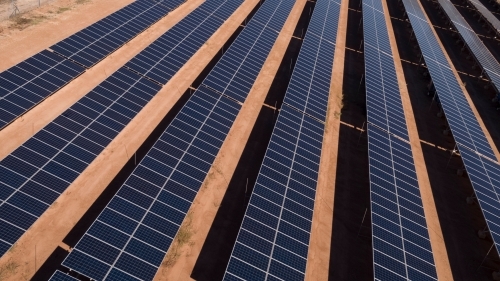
(31, 81)
(463, 123)
(482, 171)
(310, 83)
(161, 60)
(484, 175)
(273, 240)
(137, 227)
(400, 238)
(92, 44)
(235, 72)
(480, 51)
(492, 19)
(34, 175)
(131, 236)
(469, 137)
(383, 99)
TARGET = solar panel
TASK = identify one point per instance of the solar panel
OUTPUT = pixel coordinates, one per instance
(34, 175)
(59, 276)
(400, 238)
(273, 240)
(463, 123)
(235, 72)
(28, 83)
(492, 19)
(477, 154)
(161, 60)
(480, 51)
(97, 41)
(484, 175)
(31, 81)
(149, 208)
(132, 235)
(310, 83)
(383, 99)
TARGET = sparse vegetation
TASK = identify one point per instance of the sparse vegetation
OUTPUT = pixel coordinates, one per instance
(182, 238)
(23, 21)
(338, 113)
(62, 10)
(8, 269)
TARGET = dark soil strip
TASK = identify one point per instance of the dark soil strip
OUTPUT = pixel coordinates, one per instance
(351, 250)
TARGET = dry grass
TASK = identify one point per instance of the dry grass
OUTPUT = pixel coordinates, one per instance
(338, 113)
(182, 238)
(8, 269)
(62, 10)
(23, 21)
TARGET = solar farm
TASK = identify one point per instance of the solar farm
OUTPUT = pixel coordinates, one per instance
(252, 140)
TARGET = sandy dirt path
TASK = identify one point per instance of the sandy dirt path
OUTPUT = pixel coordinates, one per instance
(206, 204)
(435, 233)
(318, 257)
